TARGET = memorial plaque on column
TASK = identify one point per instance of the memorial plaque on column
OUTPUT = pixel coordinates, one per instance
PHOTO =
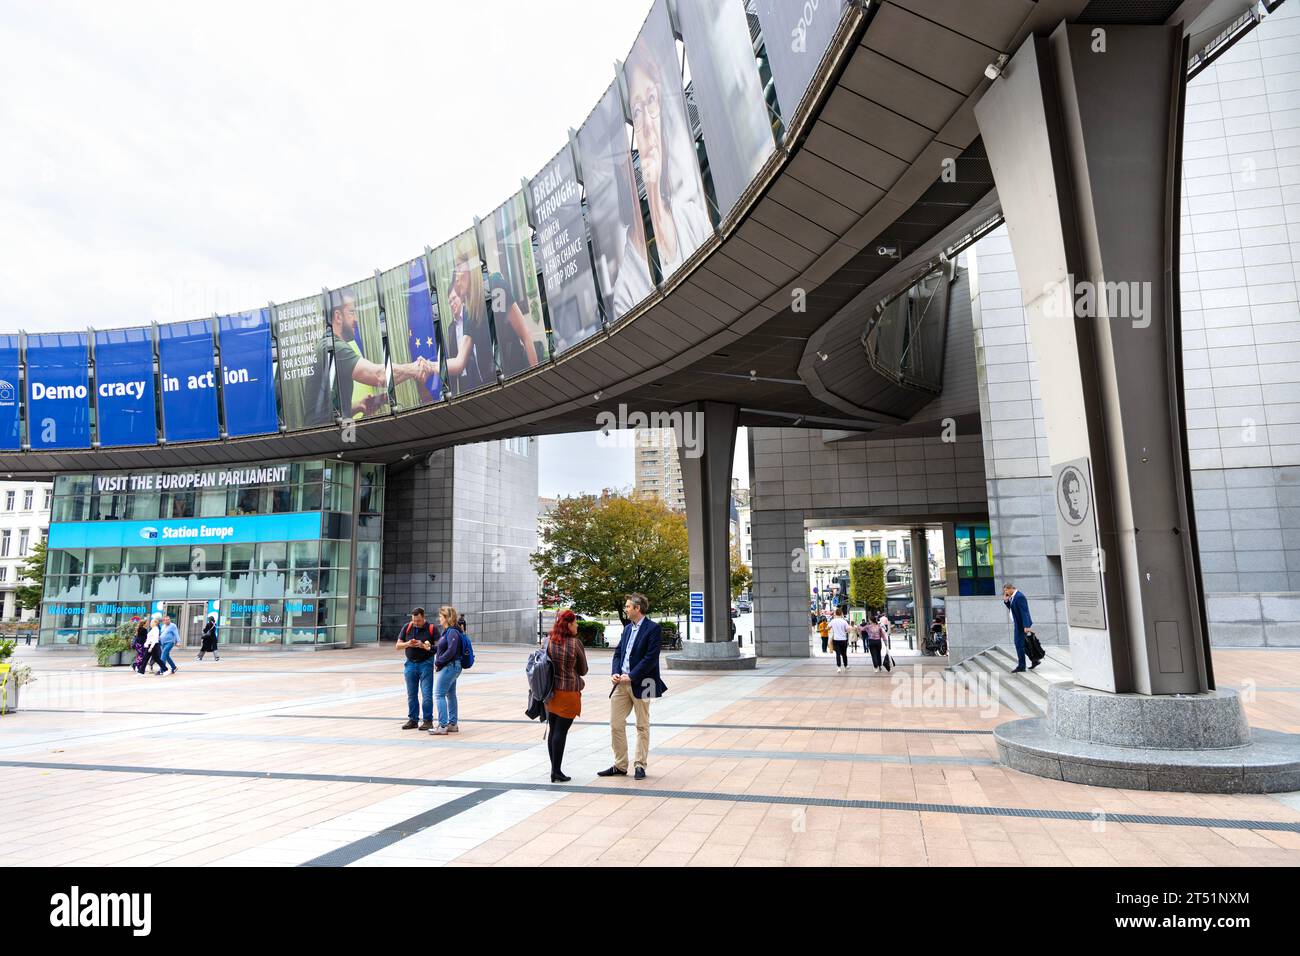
(1082, 562)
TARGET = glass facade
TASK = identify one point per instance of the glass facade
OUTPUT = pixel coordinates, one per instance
(286, 553)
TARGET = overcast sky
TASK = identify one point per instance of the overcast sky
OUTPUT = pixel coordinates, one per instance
(162, 162)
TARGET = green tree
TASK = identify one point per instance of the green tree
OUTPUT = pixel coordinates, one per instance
(742, 576)
(867, 582)
(594, 550)
(32, 570)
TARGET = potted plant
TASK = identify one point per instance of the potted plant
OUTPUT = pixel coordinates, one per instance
(592, 633)
(110, 649)
(12, 677)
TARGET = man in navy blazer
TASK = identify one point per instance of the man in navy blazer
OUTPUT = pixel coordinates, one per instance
(1018, 605)
(635, 676)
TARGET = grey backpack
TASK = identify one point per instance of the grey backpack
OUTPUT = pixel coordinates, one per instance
(541, 682)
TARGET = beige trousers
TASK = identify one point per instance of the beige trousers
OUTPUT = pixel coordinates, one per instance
(620, 705)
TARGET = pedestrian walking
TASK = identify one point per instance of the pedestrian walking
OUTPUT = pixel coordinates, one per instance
(209, 639)
(840, 640)
(824, 630)
(167, 640)
(446, 669)
(141, 652)
(635, 676)
(875, 637)
(1021, 623)
(153, 645)
(568, 665)
(417, 639)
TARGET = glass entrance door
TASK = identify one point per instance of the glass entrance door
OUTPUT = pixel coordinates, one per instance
(196, 612)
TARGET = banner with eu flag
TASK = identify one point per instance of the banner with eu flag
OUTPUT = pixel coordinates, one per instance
(189, 381)
(11, 436)
(412, 331)
(124, 388)
(58, 390)
(248, 374)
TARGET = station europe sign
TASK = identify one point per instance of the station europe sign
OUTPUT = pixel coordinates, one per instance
(244, 529)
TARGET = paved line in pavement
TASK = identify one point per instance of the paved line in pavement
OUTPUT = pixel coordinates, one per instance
(1281, 826)
(147, 713)
(595, 723)
(400, 831)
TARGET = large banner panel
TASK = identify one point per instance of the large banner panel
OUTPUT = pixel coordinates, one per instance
(11, 431)
(58, 390)
(360, 365)
(303, 364)
(187, 366)
(737, 130)
(514, 302)
(125, 404)
(617, 230)
(796, 34)
(462, 310)
(661, 136)
(247, 374)
(566, 263)
(412, 335)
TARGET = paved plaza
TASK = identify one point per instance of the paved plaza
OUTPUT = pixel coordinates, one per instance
(289, 759)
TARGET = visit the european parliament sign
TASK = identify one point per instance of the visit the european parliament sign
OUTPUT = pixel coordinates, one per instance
(246, 529)
(193, 480)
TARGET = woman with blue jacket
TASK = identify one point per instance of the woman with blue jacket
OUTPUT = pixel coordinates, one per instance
(446, 667)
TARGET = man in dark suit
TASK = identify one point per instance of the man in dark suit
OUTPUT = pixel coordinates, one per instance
(1023, 624)
(635, 676)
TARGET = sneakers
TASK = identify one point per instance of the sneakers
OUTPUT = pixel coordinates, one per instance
(411, 725)
(439, 732)
(453, 728)
(426, 725)
(838, 669)
(611, 772)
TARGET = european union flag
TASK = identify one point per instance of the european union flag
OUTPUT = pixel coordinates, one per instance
(423, 336)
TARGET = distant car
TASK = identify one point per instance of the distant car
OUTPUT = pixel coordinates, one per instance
(744, 607)
(735, 611)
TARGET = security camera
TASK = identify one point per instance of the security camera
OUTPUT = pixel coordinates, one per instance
(994, 69)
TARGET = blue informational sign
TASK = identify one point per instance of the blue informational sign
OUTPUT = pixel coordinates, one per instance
(125, 408)
(58, 390)
(247, 374)
(189, 381)
(11, 436)
(244, 529)
(697, 607)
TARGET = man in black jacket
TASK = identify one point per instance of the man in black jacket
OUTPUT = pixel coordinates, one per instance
(417, 639)
(635, 676)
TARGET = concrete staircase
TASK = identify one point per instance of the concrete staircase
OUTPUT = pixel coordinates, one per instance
(1026, 693)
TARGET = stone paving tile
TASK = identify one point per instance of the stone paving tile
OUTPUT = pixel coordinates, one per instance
(338, 713)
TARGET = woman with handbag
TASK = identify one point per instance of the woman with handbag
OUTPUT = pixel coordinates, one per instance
(568, 665)
(209, 644)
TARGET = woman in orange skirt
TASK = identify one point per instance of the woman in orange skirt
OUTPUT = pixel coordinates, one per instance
(568, 664)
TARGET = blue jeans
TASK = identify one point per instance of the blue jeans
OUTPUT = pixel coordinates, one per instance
(446, 693)
(419, 677)
(166, 659)
(1020, 650)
